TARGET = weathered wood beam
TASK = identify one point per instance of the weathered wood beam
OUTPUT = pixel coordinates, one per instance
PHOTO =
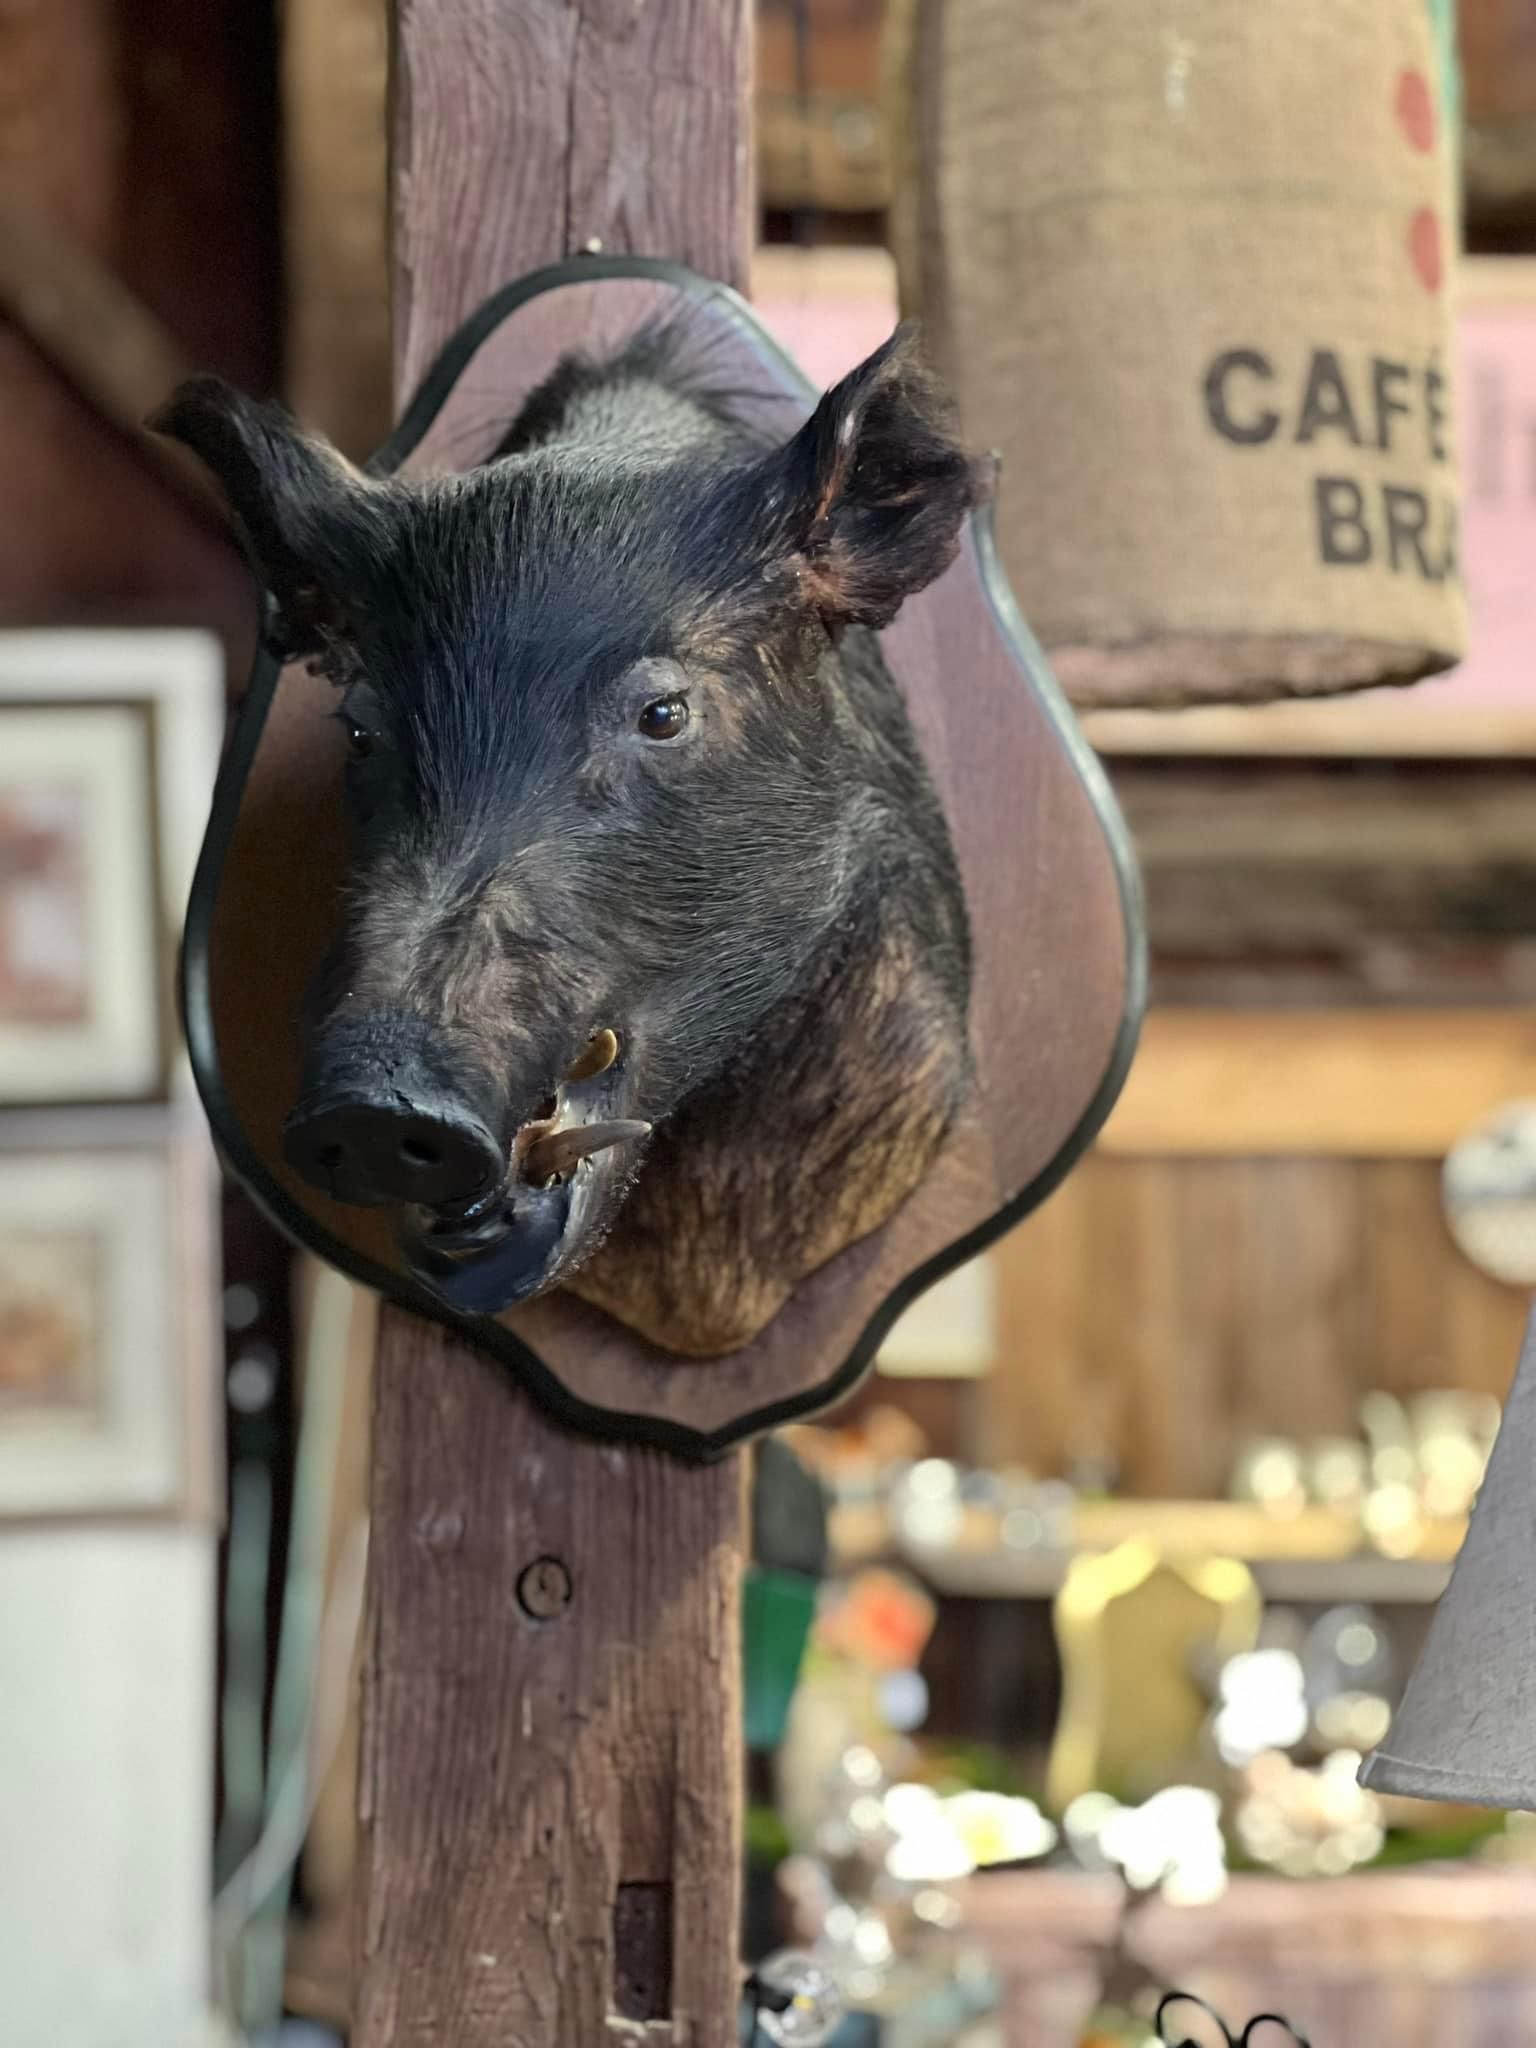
(549, 1796)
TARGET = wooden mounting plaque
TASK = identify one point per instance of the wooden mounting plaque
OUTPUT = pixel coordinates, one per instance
(1049, 880)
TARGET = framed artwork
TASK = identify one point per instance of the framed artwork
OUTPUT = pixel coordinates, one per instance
(80, 945)
(92, 1395)
(108, 743)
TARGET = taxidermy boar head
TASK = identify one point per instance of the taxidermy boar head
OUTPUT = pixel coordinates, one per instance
(652, 972)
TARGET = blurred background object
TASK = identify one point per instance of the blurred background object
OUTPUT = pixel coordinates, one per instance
(822, 135)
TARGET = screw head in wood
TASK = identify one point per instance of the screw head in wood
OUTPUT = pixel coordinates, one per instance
(544, 1588)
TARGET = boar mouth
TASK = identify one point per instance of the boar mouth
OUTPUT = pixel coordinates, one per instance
(568, 1165)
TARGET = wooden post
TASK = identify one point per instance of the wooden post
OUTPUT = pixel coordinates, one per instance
(549, 1796)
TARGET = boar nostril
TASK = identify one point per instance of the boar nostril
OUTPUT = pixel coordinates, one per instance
(365, 1145)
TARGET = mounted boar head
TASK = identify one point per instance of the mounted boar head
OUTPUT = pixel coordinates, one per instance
(652, 970)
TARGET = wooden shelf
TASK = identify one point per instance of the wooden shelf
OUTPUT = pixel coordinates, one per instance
(1038, 1575)
(1346, 1084)
(1376, 727)
(1310, 1558)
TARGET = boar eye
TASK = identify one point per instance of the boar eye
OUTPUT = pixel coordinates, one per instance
(665, 719)
(361, 739)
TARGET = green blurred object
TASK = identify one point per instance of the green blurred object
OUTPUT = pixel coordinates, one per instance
(778, 1608)
(978, 1767)
(1443, 15)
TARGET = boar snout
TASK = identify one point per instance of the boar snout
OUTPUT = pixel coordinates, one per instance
(380, 1121)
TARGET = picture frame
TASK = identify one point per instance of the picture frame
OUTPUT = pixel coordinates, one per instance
(93, 1396)
(109, 737)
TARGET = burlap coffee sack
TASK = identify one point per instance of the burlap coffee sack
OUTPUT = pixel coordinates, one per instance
(1189, 267)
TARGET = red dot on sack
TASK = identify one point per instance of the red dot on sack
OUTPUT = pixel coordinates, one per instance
(1424, 247)
(1416, 109)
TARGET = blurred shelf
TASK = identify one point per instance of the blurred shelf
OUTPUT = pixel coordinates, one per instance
(1379, 727)
(1310, 1558)
(1038, 1574)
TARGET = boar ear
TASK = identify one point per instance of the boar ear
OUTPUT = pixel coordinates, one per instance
(303, 510)
(879, 486)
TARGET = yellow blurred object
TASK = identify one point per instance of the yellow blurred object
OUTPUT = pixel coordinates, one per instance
(1134, 1629)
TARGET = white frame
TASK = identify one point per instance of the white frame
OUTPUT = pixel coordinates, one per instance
(131, 1453)
(103, 752)
(172, 678)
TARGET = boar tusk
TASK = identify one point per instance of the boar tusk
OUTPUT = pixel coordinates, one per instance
(556, 1153)
(597, 1059)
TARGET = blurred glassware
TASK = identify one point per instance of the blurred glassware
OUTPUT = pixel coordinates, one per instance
(1338, 1473)
(814, 2003)
(1385, 1422)
(1308, 1823)
(856, 1946)
(1171, 1843)
(850, 1833)
(1351, 1720)
(1262, 1705)
(1488, 1190)
(926, 1504)
(926, 1847)
(1453, 1438)
(1348, 1650)
(1392, 1519)
(1269, 1473)
(981, 1487)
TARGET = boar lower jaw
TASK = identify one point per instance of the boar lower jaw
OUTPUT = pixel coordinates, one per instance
(549, 1214)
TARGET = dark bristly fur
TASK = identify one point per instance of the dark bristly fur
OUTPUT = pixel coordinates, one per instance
(767, 909)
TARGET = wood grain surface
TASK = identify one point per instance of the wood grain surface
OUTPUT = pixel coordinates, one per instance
(526, 133)
(549, 1795)
(1162, 1311)
(548, 1800)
